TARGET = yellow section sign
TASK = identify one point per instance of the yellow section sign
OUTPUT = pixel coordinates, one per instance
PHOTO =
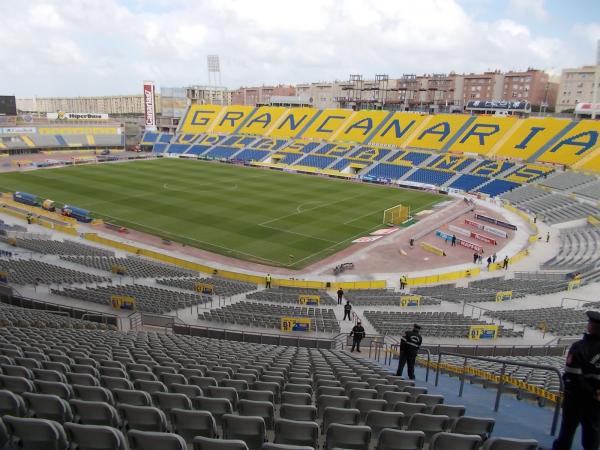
(410, 300)
(309, 300)
(289, 324)
(503, 295)
(122, 302)
(205, 288)
(118, 270)
(483, 332)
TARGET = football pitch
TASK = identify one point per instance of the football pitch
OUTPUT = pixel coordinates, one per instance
(258, 215)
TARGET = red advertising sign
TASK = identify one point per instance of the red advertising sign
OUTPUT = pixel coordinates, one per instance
(149, 106)
(483, 237)
(472, 246)
(474, 224)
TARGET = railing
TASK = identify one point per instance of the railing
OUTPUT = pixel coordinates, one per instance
(503, 379)
(289, 339)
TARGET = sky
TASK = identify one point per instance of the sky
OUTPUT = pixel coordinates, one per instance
(108, 47)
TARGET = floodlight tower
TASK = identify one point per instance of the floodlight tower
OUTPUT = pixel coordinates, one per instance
(214, 75)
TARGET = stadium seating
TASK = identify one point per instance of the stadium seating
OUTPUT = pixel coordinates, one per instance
(579, 249)
(14, 316)
(130, 266)
(221, 152)
(567, 180)
(53, 247)
(370, 153)
(439, 131)
(35, 272)
(269, 316)
(559, 321)
(380, 297)
(222, 286)
(250, 154)
(409, 158)
(589, 191)
(315, 161)
(388, 171)
(335, 150)
(430, 176)
(489, 168)
(497, 187)
(302, 146)
(147, 298)
(268, 144)
(574, 145)
(528, 172)
(451, 162)
(289, 296)
(178, 148)
(433, 324)
(197, 149)
(468, 182)
(289, 158)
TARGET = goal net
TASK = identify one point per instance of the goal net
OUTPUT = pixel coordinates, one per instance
(396, 214)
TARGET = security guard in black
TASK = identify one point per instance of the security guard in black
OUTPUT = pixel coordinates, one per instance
(358, 333)
(409, 347)
(581, 403)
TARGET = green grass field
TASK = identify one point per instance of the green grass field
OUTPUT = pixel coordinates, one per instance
(252, 214)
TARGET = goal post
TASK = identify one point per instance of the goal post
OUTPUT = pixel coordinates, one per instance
(396, 215)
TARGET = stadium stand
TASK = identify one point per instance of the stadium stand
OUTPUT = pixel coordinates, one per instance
(567, 180)
(147, 298)
(53, 247)
(558, 321)
(31, 271)
(365, 153)
(289, 295)
(130, 266)
(315, 161)
(409, 158)
(430, 176)
(222, 286)
(388, 171)
(579, 248)
(456, 163)
(433, 324)
(249, 154)
(589, 191)
(136, 378)
(451, 293)
(14, 316)
(221, 152)
(468, 182)
(269, 316)
(497, 187)
(521, 287)
(381, 297)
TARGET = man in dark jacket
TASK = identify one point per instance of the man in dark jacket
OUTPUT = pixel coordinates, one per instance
(581, 402)
(358, 333)
(409, 347)
(340, 294)
(347, 310)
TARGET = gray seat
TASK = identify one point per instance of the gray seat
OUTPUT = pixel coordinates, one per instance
(500, 443)
(357, 393)
(400, 440)
(453, 441)
(344, 416)
(143, 440)
(430, 400)
(17, 385)
(62, 390)
(93, 394)
(37, 434)
(480, 426)
(393, 397)
(204, 443)
(298, 412)
(96, 413)
(364, 405)
(298, 388)
(334, 401)
(415, 391)
(49, 375)
(294, 432)
(452, 411)
(144, 418)
(410, 409)
(113, 383)
(84, 379)
(272, 446)
(17, 371)
(168, 400)
(190, 390)
(428, 423)
(95, 437)
(218, 407)
(296, 398)
(11, 404)
(51, 407)
(224, 392)
(132, 397)
(347, 437)
(259, 396)
(266, 410)
(189, 424)
(202, 382)
(251, 430)
(378, 420)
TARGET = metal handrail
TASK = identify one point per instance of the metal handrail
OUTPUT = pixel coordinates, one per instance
(578, 300)
(504, 363)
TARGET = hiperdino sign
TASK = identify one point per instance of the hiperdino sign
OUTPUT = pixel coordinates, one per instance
(75, 116)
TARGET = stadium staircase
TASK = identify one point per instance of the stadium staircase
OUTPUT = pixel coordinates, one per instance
(520, 419)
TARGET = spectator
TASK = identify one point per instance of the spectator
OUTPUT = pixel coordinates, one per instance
(340, 294)
(505, 263)
(347, 310)
(358, 333)
(268, 281)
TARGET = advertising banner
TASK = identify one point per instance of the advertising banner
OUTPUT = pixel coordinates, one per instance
(149, 106)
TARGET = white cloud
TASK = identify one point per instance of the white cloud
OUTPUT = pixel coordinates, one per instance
(76, 47)
(529, 8)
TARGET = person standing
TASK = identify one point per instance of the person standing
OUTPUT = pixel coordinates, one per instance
(347, 310)
(489, 262)
(453, 240)
(409, 347)
(268, 281)
(547, 237)
(475, 258)
(494, 258)
(505, 263)
(581, 402)
(358, 333)
(403, 281)
(340, 294)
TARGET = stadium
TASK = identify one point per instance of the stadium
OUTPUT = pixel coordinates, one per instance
(190, 289)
